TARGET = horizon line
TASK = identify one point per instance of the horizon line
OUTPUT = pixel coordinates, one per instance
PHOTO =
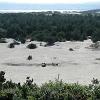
(54, 6)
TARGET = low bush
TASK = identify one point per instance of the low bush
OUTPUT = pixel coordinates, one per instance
(71, 49)
(29, 57)
(23, 41)
(11, 45)
(32, 46)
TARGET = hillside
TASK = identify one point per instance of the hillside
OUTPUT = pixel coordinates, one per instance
(50, 26)
(94, 11)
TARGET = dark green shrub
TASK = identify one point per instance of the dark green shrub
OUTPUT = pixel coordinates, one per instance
(71, 49)
(2, 78)
(29, 57)
(23, 41)
(9, 84)
(11, 45)
(95, 81)
(32, 46)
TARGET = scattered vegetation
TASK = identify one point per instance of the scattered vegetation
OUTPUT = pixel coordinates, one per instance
(23, 41)
(95, 45)
(71, 49)
(32, 46)
(29, 57)
(49, 44)
(57, 90)
(97, 59)
(11, 45)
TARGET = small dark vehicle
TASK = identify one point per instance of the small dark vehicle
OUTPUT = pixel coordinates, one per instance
(43, 64)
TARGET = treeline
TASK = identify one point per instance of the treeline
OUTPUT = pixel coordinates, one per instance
(49, 26)
(57, 90)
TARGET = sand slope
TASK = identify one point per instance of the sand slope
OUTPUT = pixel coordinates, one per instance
(79, 65)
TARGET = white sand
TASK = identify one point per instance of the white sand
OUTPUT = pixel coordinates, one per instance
(74, 66)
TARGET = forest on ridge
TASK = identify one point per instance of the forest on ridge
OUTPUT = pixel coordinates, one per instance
(50, 26)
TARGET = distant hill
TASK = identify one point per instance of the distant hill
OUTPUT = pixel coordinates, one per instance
(92, 11)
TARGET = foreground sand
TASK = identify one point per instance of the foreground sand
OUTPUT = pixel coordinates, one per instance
(79, 65)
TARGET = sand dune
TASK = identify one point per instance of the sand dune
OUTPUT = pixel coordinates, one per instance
(79, 65)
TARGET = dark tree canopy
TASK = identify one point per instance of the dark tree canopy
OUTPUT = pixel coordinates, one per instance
(46, 26)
